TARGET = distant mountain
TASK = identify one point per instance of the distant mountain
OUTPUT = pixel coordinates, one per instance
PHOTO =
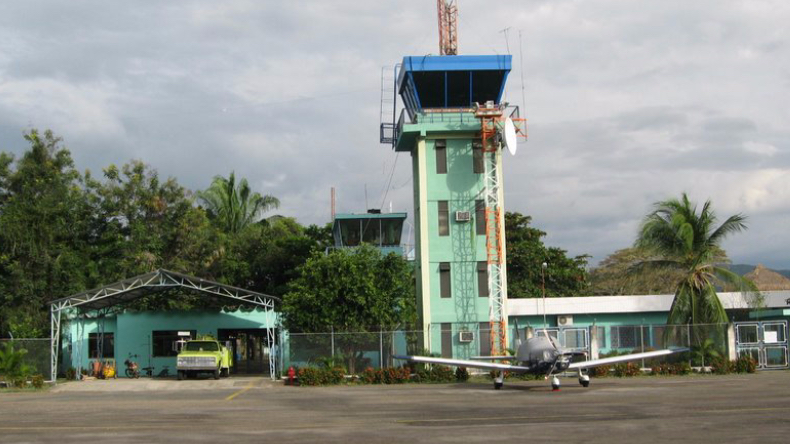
(742, 269)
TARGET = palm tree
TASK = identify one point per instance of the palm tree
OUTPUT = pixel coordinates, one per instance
(234, 206)
(682, 239)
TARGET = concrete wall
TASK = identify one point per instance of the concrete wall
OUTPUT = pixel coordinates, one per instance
(462, 248)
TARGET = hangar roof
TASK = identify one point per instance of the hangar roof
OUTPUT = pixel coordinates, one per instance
(155, 282)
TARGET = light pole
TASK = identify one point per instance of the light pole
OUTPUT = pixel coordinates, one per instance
(543, 290)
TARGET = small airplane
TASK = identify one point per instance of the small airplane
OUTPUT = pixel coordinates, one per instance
(539, 355)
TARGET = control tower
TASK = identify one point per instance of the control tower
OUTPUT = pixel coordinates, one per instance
(454, 124)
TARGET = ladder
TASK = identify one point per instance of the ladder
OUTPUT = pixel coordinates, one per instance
(489, 114)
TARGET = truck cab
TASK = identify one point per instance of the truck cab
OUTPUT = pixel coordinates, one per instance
(203, 356)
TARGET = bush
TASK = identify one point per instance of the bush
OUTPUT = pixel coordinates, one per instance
(626, 369)
(599, 372)
(461, 374)
(681, 368)
(71, 373)
(19, 382)
(314, 376)
(390, 375)
(745, 364)
(38, 381)
(437, 373)
(722, 366)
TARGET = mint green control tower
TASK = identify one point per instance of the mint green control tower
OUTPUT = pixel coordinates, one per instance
(455, 127)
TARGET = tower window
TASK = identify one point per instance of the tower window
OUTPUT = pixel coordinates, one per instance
(441, 156)
(444, 280)
(447, 339)
(444, 218)
(480, 217)
(482, 279)
(478, 161)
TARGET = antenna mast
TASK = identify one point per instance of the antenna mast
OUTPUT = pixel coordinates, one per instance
(448, 27)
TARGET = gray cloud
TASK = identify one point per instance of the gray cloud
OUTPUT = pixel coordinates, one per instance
(628, 104)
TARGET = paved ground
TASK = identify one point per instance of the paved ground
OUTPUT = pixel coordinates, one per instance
(753, 408)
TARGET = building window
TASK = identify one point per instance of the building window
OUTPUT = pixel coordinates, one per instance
(444, 218)
(484, 336)
(480, 217)
(444, 280)
(108, 348)
(626, 336)
(482, 279)
(447, 340)
(163, 342)
(441, 156)
(478, 161)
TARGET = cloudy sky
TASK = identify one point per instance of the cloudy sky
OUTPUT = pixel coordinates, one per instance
(628, 102)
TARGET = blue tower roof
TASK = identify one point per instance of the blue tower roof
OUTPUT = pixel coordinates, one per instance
(452, 81)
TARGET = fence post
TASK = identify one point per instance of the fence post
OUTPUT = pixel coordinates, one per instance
(381, 348)
(593, 342)
(332, 339)
(688, 339)
(642, 338)
(732, 352)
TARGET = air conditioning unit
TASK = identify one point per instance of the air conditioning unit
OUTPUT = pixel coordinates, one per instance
(466, 336)
(564, 320)
(463, 216)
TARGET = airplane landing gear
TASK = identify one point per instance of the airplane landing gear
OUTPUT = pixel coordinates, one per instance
(555, 384)
(499, 381)
(584, 380)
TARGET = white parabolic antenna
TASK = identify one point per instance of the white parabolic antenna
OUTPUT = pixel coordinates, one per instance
(510, 136)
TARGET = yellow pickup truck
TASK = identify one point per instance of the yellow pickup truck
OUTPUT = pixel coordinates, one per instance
(203, 356)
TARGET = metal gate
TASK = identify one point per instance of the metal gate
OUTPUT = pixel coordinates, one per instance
(764, 341)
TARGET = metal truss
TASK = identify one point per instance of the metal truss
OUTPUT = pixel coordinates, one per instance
(133, 288)
(489, 115)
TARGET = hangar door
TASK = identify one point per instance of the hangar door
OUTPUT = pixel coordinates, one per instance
(766, 342)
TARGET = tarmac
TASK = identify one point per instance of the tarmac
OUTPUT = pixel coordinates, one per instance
(731, 408)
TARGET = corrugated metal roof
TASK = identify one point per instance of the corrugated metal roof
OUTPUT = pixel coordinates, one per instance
(630, 304)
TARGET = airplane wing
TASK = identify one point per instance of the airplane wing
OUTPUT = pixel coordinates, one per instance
(493, 358)
(625, 358)
(465, 363)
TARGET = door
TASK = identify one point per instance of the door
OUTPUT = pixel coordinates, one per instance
(765, 342)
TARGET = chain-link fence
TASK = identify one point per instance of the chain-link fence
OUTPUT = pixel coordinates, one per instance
(37, 356)
(354, 351)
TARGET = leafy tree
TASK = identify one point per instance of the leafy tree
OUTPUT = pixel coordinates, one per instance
(45, 224)
(616, 275)
(234, 206)
(686, 241)
(564, 276)
(266, 257)
(350, 290)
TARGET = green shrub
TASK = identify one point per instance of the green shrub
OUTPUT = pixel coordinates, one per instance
(745, 364)
(441, 373)
(12, 362)
(38, 381)
(71, 373)
(19, 382)
(461, 374)
(681, 368)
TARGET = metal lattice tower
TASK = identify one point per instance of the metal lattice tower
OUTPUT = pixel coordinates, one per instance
(448, 27)
(489, 114)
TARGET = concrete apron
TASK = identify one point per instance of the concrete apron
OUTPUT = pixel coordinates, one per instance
(147, 384)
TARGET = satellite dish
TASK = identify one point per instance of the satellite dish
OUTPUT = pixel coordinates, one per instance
(510, 136)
